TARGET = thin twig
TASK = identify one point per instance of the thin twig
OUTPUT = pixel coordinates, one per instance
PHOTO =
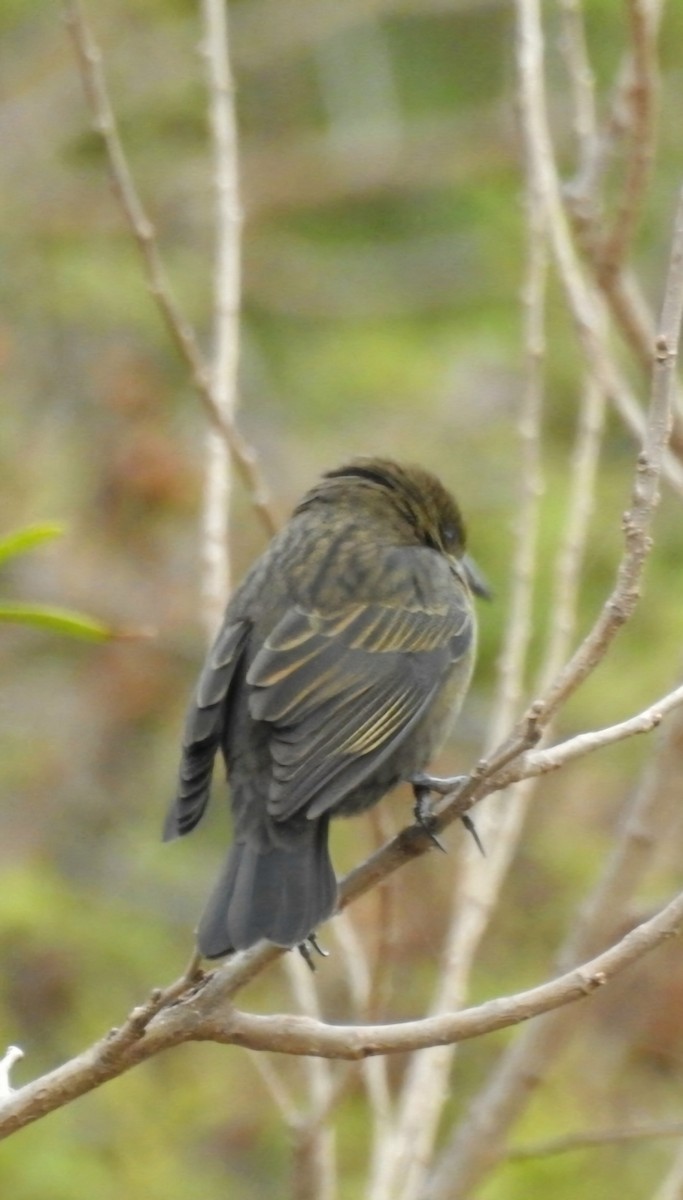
(519, 625)
(374, 1070)
(218, 482)
(277, 1089)
(385, 923)
(671, 1187)
(89, 59)
(357, 967)
(584, 301)
(604, 253)
(583, 469)
(642, 90)
(539, 762)
(581, 79)
(592, 1139)
(313, 1155)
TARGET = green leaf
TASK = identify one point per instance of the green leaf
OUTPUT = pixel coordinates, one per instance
(58, 620)
(26, 539)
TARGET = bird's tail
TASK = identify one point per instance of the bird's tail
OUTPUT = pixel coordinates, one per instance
(279, 892)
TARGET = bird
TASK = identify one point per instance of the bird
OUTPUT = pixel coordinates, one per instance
(339, 668)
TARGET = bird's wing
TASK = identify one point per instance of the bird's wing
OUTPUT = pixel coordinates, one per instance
(342, 691)
(203, 728)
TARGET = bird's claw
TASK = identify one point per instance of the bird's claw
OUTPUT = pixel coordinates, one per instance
(471, 828)
(422, 786)
(304, 949)
(423, 814)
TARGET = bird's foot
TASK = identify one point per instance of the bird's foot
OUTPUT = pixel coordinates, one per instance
(423, 785)
(433, 783)
(304, 948)
(423, 814)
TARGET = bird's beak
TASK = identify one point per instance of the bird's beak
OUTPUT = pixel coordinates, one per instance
(476, 580)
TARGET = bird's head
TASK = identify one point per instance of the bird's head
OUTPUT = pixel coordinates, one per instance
(423, 502)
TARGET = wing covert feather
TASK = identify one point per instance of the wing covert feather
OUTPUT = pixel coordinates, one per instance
(342, 691)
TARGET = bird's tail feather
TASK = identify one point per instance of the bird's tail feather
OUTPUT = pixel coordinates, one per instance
(278, 892)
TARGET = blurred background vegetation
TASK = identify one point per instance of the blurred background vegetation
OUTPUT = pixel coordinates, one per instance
(383, 257)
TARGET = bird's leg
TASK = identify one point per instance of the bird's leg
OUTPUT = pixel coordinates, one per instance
(305, 953)
(304, 949)
(422, 786)
(433, 783)
(424, 815)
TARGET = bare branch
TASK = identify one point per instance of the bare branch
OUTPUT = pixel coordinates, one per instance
(641, 96)
(478, 1142)
(645, 495)
(672, 1184)
(202, 1014)
(412, 841)
(217, 486)
(581, 79)
(570, 554)
(605, 254)
(313, 1165)
(89, 61)
(374, 1072)
(591, 1139)
(583, 300)
(277, 1089)
(540, 761)
(518, 629)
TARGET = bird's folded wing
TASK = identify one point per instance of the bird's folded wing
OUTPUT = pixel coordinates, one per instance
(342, 691)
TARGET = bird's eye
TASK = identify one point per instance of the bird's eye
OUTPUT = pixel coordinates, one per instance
(450, 535)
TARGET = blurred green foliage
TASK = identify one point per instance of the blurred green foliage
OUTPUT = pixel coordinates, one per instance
(43, 616)
(383, 254)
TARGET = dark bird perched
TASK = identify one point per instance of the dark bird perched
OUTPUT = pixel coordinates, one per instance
(341, 663)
